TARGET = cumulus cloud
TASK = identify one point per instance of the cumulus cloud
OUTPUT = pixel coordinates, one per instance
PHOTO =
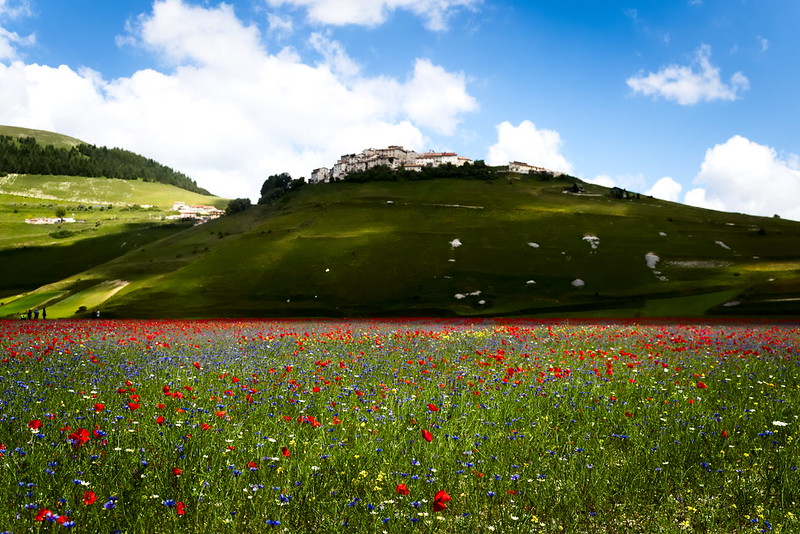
(687, 85)
(228, 116)
(374, 12)
(666, 189)
(527, 143)
(744, 176)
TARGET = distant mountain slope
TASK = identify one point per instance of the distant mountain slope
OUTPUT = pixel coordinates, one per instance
(512, 245)
(25, 151)
(43, 137)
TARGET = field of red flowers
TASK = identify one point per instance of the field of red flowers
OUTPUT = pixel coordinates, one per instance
(396, 426)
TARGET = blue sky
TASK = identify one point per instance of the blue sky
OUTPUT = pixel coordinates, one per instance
(690, 100)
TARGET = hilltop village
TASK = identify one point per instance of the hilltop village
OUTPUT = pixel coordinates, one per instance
(396, 157)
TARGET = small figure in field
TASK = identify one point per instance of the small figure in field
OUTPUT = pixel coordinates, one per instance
(36, 313)
(44, 313)
(29, 315)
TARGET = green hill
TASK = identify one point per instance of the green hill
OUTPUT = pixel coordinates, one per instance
(24, 151)
(41, 136)
(514, 245)
(110, 217)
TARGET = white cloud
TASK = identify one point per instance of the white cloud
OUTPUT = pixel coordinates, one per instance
(435, 98)
(691, 84)
(9, 40)
(540, 147)
(602, 179)
(743, 176)
(631, 182)
(666, 189)
(335, 56)
(375, 12)
(229, 116)
(15, 8)
(280, 26)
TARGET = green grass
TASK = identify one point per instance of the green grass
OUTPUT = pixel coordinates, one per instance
(383, 249)
(16, 306)
(83, 190)
(42, 136)
(533, 427)
(110, 222)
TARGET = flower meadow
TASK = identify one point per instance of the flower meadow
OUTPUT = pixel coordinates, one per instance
(399, 426)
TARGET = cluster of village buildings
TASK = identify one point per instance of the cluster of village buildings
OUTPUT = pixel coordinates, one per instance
(396, 157)
(198, 212)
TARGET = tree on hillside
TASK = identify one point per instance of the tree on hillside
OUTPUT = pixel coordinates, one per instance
(278, 185)
(61, 212)
(236, 205)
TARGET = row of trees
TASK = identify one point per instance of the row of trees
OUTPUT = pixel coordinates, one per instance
(25, 155)
(274, 187)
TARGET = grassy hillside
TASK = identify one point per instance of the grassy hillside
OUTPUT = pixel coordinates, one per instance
(390, 249)
(24, 151)
(43, 137)
(110, 221)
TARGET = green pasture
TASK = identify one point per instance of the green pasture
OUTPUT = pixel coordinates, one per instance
(42, 136)
(83, 190)
(385, 249)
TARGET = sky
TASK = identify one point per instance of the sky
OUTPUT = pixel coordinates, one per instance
(694, 101)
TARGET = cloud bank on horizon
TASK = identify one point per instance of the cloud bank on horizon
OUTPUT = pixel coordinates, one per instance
(229, 93)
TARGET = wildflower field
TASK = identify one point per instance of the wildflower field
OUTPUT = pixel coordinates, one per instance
(399, 426)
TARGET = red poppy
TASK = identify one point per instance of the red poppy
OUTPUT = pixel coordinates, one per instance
(286, 452)
(440, 500)
(205, 426)
(724, 433)
(35, 424)
(79, 437)
(160, 420)
(427, 436)
(701, 385)
(197, 365)
(99, 407)
(402, 489)
(177, 471)
(628, 414)
(433, 408)
(180, 508)
(42, 514)
(89, 497)
(133, 405)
